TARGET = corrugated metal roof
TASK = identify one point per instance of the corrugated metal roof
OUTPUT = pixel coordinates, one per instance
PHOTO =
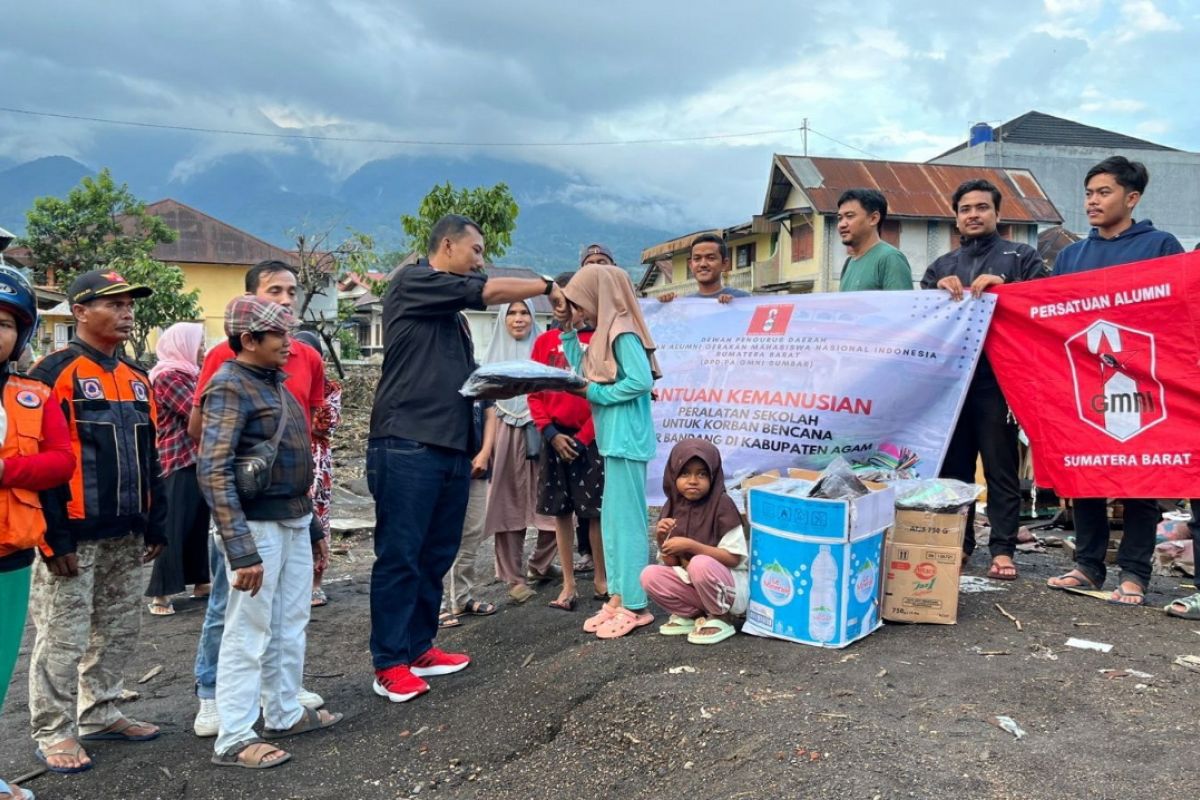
(1035, 128)
(920, 191)
(207, 240)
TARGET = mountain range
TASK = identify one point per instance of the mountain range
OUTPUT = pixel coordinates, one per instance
(274, 195)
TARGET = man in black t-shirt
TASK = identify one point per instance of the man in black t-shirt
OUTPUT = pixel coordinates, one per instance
(420, 449)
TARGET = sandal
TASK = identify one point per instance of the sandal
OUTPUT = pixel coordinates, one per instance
(677, 626)
(309, 721)
(593, 623)
(119, 732)
(233, 756)
(603, 597)
(319, 598)
(15, 792)
(1136, 598)
(159, 609)
(1003, 572)
(447, 619)
(521, 594)
(75, 751)
(719, 631)
(624, 622)
(1081, 581)
(478, 609)
(564, 605)
(1189, 604)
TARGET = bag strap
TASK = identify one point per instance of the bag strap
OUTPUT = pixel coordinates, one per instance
(283, 418)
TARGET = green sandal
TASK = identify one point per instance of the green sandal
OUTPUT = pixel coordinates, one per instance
(1190, 604)
(721, 630)
(677, 626)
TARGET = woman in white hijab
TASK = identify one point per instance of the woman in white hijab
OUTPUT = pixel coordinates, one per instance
(512, 497)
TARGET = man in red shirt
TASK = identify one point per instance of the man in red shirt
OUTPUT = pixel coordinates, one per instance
(272, 281)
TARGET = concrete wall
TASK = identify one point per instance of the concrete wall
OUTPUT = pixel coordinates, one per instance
(1172, 199)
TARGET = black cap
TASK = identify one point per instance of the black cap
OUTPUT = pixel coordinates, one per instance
(97, 283)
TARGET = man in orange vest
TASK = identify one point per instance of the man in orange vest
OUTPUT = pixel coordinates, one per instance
(35, 455)
(86, 599)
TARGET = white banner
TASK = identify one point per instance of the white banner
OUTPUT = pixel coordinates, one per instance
(797, 380)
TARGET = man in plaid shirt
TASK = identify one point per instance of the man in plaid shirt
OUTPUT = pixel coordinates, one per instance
(265, 538)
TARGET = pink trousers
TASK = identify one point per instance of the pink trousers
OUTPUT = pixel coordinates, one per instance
(709, 594)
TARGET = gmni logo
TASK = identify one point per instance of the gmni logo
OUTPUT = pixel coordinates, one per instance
(1116, 388)
(770, 320)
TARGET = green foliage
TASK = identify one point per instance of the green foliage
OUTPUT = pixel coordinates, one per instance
(349, 344)
(493, 209)
(169, 303)
(98, 224)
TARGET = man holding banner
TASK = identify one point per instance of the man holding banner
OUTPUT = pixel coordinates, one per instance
(985, 429)
(1128, 378)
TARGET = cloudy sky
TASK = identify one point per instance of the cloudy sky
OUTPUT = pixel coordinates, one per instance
(889, 79)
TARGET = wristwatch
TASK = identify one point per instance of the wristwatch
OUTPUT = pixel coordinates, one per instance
(549, 284)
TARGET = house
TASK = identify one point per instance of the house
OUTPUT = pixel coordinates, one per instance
(1061, 151)
(368, 309)
(802, 195)
(752, 258)
(793, 245)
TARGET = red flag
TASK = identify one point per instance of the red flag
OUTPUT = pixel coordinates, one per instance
(1102, 370)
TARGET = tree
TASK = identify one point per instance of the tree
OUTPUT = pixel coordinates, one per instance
(322, 268)
(98, 224)
(169, 303)
(494, 210)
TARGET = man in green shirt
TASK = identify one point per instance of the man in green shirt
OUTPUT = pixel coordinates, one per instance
(873, 263)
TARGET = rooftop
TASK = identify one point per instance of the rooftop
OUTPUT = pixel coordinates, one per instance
(1034, 127)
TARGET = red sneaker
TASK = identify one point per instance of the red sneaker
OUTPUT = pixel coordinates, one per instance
(398, 684)
(439, 662)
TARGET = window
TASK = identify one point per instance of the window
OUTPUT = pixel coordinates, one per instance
(62, 334)
(745, 256)
(802, 241)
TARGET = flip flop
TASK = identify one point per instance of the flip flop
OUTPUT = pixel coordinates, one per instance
(623, 622)
(564, 605)
(319, 598)
(1141, 598)
(1191, 607)
(723, 630)
(74, 752)
(994, 572)
(448, 620)
(521, 593)
(117, 732)
(1081, 581)
(161, 609)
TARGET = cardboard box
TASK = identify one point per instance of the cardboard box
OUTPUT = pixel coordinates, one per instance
(921, 583)
(929, 528)
(815, 564)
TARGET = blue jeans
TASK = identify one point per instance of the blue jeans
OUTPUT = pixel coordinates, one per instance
(420, 496)
(209, 646)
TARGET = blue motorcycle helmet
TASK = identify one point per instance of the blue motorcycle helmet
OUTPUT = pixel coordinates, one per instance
(17, 298)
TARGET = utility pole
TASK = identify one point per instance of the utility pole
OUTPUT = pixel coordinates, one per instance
(804, 132)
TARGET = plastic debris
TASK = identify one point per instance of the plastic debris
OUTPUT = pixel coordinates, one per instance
(940, 494)
(506, 379)
(1009, 724)
(838, 482)
(1189, 662)
(972, 584)
(1088, 644)
(680, 669)
(1125, 673)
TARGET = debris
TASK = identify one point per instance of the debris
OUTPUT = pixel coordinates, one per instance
(1009, 724)
(129, 695)
(705, 713)
(528, 660)
(973, 584)
(882, 673)
(980, 651)
(421, 730)
(848, 657)
(831, 715)
(1189, 662)
(1086, 624)
(1042, 651)
(683, 668)
(153, 671)
(1124, 673)
(689, 764)
(167, 772)
(1087, 644)
(632, 738)
(1015, 621)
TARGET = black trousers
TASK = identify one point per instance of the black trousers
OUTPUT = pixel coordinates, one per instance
(985, 430)
(185, 558)
(1137, 538)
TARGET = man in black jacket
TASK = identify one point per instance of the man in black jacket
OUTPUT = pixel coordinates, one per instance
(984, 427)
